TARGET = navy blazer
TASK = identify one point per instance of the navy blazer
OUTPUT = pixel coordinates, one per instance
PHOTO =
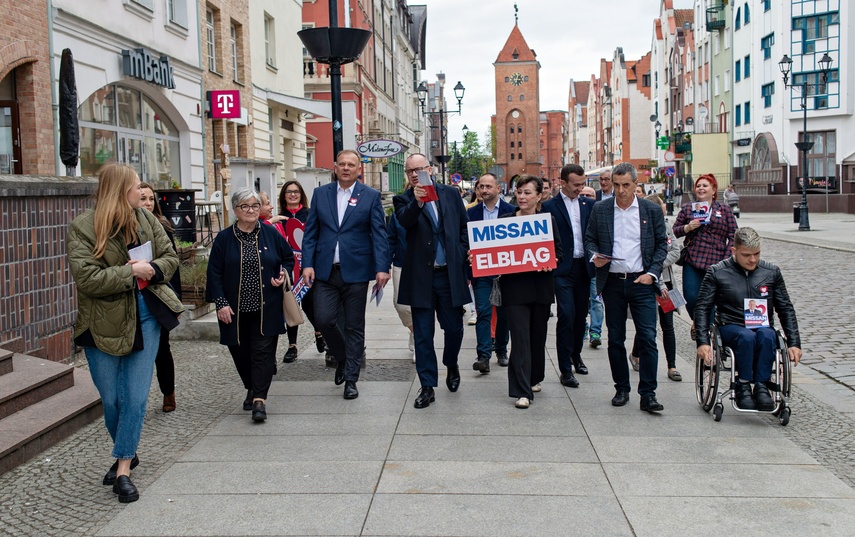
(556, 207)
(599, 237)
(363, 245)
(476, 212)
(417, 273)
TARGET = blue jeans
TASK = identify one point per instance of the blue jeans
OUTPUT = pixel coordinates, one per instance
(450, 320)
(754, 350)
(596, 311)
(692, 279)
(481, 287)
(123, 383)
(641, 300)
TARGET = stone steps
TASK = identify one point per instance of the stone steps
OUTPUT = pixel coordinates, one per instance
(41, 403)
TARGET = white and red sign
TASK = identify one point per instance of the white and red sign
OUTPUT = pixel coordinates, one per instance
(225, 104)
(507, 245)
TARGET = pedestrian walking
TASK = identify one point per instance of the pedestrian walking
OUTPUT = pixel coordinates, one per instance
(123, 302)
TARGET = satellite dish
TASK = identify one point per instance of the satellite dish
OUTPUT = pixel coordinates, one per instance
(653, 118)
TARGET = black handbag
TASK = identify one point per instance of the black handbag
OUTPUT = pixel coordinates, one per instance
(684, 253)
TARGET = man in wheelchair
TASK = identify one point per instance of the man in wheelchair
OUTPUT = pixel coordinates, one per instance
(746, 292)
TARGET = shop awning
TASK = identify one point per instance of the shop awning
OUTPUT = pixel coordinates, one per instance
(308, 106)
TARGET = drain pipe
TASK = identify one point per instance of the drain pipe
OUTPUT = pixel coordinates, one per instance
(53, 90)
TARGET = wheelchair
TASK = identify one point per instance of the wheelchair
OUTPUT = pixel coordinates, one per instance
(707, 378)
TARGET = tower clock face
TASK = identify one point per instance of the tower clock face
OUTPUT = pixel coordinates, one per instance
(516, 79)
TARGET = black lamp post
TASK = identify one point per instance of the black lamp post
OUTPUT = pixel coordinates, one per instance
(786, 64)
(422, 92)
(335, 46)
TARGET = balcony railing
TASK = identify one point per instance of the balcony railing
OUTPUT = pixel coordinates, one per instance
(716, 17)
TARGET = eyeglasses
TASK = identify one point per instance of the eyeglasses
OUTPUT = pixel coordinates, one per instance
(246, 208)
(408, 171)
(292, 192)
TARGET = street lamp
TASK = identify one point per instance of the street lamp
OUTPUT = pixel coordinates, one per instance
(786, 64)
(422, 92)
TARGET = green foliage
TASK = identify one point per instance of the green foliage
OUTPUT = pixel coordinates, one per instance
(194, 276)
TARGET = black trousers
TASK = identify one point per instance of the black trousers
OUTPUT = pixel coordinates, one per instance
(255, 355)
(308, 305)
(345, 342)
(165, 364)
(527, 361)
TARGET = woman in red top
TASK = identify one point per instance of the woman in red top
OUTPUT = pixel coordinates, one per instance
(708, 241)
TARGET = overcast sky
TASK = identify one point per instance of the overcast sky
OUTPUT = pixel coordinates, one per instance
(464, 38)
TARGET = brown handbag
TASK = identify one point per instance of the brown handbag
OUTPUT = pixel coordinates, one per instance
(293, 315)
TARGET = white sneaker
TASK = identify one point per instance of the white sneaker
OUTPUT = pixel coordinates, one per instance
(522, 402)
(412, 343)
(473, 319)
(536, 388)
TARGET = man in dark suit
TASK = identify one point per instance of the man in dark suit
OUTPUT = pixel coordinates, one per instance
(434, 275)
(606, 190)
(345, 247)
(573, 275)
(627, 242)
(489, 208)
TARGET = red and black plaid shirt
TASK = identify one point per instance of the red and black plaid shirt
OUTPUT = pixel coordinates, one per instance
(711, 242)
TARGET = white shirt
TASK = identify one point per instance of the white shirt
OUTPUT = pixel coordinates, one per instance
(575, 213)
(627, 239)
(342, 198)
(607, 196)
(491, 215)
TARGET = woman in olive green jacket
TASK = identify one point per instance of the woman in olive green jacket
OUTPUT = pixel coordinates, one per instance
(123, 301)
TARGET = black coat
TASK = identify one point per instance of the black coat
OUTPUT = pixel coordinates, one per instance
(417, 273)
(533, 287)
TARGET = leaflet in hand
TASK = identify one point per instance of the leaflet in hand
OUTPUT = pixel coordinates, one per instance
(141, 253)
(608, 257)
(701, 211)
(672, 301)
(756, 313)
(376, 294)
(430, 187)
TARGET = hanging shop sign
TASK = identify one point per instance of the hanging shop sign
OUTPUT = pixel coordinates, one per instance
(140, 63)
(379, 148)
(224, 104)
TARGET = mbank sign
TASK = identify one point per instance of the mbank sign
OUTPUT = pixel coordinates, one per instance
(379, 148)
(139, 63)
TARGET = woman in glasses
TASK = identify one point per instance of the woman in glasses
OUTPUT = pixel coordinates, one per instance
(246, 271)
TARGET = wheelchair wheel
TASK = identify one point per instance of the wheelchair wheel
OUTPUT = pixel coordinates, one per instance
(717, 411)
(785, 416)
(706, 382)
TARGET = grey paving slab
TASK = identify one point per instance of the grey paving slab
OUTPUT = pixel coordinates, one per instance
(344, 447)
(670, 450)
(493, 400)
(635, 423)
(491, 448)
(304, 424)
(328, 388)
(242, 514)
(369, 401)
(440, 515)
(514, 423)
(512, 478)
(758, 517)
(725, 479)
(261, 476)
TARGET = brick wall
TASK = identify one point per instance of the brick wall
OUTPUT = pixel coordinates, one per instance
(38, 303)
(25, 55)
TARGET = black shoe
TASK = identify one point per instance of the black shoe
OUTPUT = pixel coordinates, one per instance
(110, 476)
(339, 373)
(580, 366)
(744, 399)
(259, 411)
(350, 391)
(452, 379)
(621, 398)
(569, 380)
(650, 404)
(502, 358)
(247, 403)
(320, 343)
(290, 355)
(425, 398)
(482, 365)
(125, 489)
(763, 398)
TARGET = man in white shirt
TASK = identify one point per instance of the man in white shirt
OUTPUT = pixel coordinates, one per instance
(627, 242)
(606, 190)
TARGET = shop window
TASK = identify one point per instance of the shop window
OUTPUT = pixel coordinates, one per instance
(129, 108)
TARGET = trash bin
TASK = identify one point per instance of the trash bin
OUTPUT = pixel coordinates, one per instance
(669, 206)
(796, 215)
(179, 207)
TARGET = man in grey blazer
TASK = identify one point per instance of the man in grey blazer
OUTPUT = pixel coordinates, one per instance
(627, 242)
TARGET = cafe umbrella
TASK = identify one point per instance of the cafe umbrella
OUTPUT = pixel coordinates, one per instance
(69, 133)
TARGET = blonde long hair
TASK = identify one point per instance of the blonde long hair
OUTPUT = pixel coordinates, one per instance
(113, 214)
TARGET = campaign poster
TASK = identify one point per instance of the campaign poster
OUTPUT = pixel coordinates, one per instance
(756, 313)
(701, 211)
(508, 245)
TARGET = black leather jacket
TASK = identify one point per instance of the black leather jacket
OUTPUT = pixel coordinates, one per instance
(727, 285)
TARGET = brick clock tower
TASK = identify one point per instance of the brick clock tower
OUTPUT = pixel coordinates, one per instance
(517, 116)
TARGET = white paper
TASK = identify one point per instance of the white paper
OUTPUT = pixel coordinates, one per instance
(376, 294)
(141, 253)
